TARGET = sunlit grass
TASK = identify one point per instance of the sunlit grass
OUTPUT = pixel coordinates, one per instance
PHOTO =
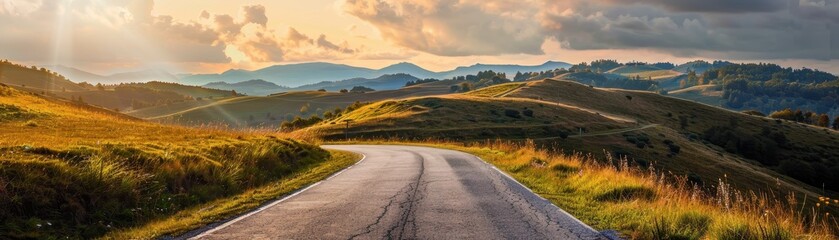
(221, 209)
(68, 169)
(496, 90)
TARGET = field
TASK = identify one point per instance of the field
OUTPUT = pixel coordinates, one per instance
(654, 75)
(68, 169)
(645, 72)
(707, 94)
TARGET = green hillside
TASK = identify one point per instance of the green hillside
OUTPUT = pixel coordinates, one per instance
(38, 79)
(696, 140)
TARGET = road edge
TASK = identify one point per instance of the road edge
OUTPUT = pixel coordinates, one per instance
(219, 225)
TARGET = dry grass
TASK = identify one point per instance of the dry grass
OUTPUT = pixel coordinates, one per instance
(496, 90)
(78, 171)
(654, 75)
(649, 204)
(221, 209)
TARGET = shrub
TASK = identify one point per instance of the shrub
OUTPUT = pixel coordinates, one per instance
(512, 113)
(563, 134)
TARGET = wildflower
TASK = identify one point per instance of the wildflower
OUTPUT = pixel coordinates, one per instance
(38, 225)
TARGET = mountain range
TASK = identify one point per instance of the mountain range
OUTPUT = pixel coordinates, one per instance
(78, 75)
(295, 75)
(305, 76)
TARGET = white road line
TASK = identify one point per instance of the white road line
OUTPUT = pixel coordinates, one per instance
(231, 222)
(534, 193)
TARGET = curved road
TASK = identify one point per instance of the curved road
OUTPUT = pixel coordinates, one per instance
(406, 192)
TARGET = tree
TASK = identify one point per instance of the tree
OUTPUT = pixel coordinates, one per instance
(465, 87)
(824, 120)
(344, 90)
(786, 114)
(836, 123)
(361, 89)
(100, 87)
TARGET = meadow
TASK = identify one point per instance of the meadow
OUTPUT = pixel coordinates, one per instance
(72, 170)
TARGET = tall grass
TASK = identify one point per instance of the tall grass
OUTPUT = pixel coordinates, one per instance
(645, 203)
(87, 191)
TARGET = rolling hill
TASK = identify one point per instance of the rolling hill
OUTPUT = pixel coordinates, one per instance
(702, 142)
(38, 79)
(270, 111)
(130, 96)
(700, 66)
(255, 87)
(70, 170)
(79, 75)
(384, 82)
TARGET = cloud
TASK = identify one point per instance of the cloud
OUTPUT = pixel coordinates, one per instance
(761, 33)
(453, 27)
(255, 14)
(713, 6)
(326, 44)
(296, 39)
(262, 48)
(126, 31)
(743, 29)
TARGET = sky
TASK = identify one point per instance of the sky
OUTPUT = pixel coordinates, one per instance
(210, 36)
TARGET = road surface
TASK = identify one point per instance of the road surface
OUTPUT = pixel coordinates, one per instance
(406, 192)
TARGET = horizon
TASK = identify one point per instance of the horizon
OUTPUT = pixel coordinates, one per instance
(418, 65)
(215, 36)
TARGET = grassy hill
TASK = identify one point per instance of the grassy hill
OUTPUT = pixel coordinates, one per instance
(71, 170)
(707, 94)
(185, 90)
(633, 69)
(122, 97)
(696, 140)
(255, 87)
(270, 111)
(38, 79)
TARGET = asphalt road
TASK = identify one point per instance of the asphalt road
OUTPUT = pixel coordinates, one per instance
(406, 192)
